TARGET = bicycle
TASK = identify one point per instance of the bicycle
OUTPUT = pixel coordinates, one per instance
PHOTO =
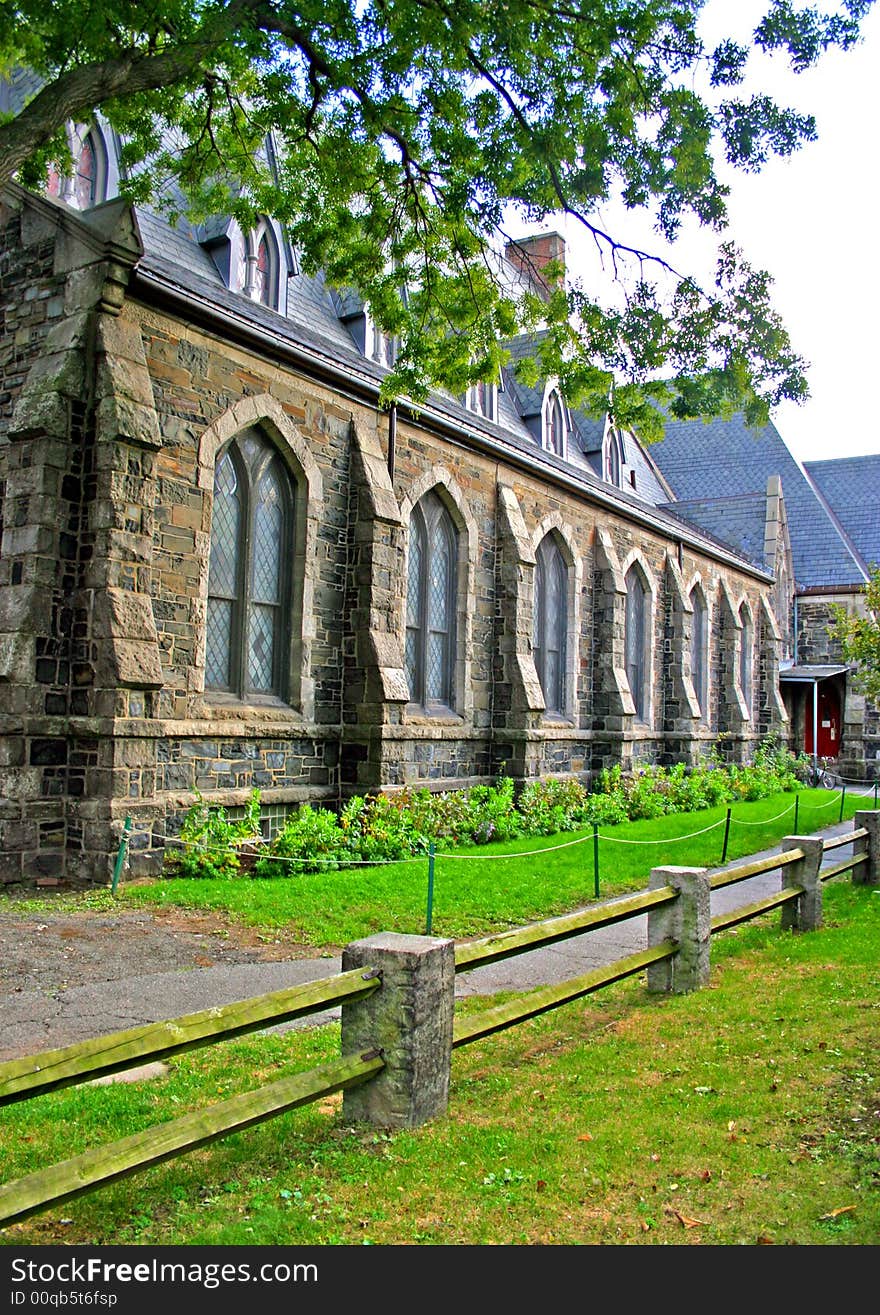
(819, 777)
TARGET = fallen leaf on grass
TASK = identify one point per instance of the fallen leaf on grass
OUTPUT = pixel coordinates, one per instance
(585, 1136)
(689, 1223)
(683, 1219)
(841, 1210)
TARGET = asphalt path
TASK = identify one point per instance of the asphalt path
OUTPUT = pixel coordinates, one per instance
(34, 1021)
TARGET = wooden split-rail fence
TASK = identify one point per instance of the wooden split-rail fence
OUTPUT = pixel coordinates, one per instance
(675, 959)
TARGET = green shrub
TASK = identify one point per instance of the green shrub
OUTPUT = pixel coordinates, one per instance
(551, 805)
(311, 841)
(383, 828)
(212, 841)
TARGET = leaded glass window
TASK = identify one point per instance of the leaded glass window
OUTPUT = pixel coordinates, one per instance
(700, 650)
(430, 604)
(636, 640)
(746, 653)
(550, 623)
(251, 536)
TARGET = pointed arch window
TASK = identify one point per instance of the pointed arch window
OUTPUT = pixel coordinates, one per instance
(262, 265)
(380, 347)
(430, 604)
(248, 577)
(550, 622)
(86, 184)
(636, 639)
(746, 654)
(482, 399)
(612, 458)
(555, 424)
(700, 649)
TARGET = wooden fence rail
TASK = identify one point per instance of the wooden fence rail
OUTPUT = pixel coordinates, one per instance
(33, 1075)
(96, 1168)
(519, 940)
(364, 988)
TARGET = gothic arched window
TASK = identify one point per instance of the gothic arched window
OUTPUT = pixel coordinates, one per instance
(636, 639)
(746, 654)
(550, 622)
(482, 399)
(700, 649)
(261, 266)
(86, 184)
(555, 426)
(613, 458)
(430, 604)
(248, 578)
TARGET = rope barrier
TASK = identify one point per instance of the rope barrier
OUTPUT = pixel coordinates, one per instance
(668, 840)
(767, 820)
(279, 858)
(526, 853)
(834, 799)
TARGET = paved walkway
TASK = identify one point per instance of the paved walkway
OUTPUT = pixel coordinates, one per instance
(31, 1021)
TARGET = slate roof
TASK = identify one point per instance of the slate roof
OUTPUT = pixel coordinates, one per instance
(649, 484)
(703, 461)
(738, 521)
(851, 488)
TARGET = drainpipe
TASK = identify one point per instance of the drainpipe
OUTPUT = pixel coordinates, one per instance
(392, 439)
(815, 723)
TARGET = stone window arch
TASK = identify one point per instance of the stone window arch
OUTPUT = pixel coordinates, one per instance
(699, 649)
(550, 622)
(263, 416)
(637, 629)
(431, 605)
(248, 617)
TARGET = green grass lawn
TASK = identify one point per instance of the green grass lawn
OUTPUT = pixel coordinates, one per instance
(478, 889)
(742, 1114)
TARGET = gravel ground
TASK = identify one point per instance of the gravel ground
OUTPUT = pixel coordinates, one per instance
(48, 952)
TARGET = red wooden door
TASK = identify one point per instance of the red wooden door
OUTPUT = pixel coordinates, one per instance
(828, 740)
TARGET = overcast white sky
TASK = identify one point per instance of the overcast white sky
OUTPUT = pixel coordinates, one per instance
(812, 221)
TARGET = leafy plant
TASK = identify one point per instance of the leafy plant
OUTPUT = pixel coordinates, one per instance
(383, 828)
(212, 841)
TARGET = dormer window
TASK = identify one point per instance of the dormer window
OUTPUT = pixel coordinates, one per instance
(86, 185)
(260, 268)
(482, 399)
(612, 458)
(380, 347)
(555, 423)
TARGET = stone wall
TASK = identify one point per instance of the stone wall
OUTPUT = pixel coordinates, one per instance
(114, 414)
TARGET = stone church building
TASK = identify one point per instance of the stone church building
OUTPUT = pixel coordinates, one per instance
(224, 566)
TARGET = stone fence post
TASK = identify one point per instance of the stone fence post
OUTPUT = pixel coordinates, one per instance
(410, 1020)
(686, 921)
(805, 913)
(868, 874)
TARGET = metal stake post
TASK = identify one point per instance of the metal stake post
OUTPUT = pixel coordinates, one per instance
(430, 887)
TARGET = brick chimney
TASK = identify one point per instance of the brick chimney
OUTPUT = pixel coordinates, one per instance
(531, 255)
